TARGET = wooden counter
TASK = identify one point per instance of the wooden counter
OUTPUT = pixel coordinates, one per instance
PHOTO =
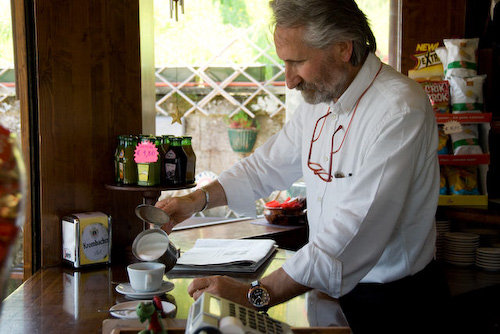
(65, 300)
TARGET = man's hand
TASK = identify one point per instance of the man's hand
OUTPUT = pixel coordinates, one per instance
(184, 207)
(222, 286)
(178, 208)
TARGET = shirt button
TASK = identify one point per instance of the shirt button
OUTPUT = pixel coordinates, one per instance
(325, 158)
(319, 198)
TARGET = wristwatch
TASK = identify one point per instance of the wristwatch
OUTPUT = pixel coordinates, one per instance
(258, 296)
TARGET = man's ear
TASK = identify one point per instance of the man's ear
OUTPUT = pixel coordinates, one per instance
(343, 51)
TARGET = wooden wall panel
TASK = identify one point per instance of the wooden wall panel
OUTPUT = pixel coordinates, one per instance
(89, 91)
(429, 21)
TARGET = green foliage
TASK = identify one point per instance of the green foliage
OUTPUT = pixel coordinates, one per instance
(192, 39)
(207, 27)
(233, 12)
(241, 120)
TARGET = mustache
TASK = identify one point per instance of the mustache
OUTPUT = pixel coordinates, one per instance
(306, 86)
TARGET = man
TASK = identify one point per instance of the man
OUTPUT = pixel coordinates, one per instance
(365, 143)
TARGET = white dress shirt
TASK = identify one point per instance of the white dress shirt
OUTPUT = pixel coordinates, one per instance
(376, 223)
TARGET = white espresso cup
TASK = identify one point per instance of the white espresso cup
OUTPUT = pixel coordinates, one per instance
(146, 276)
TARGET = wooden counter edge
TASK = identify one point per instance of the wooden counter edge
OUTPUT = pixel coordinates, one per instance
(177, 326)
(308, 330)
(321, 330)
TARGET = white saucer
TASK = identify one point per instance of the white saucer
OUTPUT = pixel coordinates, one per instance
(130, 312)
(126, 289)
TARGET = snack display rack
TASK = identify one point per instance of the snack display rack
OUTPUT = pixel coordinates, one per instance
(481, 160)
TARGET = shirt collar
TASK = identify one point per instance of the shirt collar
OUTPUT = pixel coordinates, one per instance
(365, 76)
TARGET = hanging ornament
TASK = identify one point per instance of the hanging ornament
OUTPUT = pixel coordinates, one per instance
(174, 4)
(176, 117)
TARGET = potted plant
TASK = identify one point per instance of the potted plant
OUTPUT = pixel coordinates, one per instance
(242, 131)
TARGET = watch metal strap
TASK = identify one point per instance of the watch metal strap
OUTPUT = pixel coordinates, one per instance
(207, 198)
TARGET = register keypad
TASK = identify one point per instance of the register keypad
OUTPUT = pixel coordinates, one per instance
(255, 320)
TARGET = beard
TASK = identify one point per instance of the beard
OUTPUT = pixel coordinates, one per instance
(330, 85)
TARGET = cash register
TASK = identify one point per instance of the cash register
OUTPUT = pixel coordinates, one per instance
(212, 314)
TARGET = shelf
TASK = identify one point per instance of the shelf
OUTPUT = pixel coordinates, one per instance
(463, 200)
(464, 118)
(464, 159)
(150, 194)
(126, 187)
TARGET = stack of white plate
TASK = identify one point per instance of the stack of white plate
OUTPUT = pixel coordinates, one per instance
(487, 236)
(488, 258)
(460, 248)
(442, 227)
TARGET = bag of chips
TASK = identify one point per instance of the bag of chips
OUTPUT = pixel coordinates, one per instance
(462, 180)
(428, 66)
(442, 54)
(466, 141)
(443, 189)
(467, 94)
(443, 141)
(461, 58)
(439, 95)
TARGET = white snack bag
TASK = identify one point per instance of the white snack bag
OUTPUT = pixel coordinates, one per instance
(466, 94)
(442, 54)
(461, 57)
(466, 141)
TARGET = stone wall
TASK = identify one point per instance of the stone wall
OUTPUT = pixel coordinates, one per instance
(211, 141)
(210, 138)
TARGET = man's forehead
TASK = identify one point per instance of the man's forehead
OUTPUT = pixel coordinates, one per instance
(290, 45)
(286, 35)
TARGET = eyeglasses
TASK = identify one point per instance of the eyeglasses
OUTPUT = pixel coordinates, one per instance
(316, 167)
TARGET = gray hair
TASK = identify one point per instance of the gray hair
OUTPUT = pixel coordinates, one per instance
(327, 22)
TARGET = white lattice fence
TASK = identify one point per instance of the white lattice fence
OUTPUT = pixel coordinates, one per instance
(240, 84)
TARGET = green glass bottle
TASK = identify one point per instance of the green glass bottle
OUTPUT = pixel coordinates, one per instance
(175, 163)
(190, 159)
(159, 143)
(149, 172)
(129, 166)
(119, 153)
(166, 142)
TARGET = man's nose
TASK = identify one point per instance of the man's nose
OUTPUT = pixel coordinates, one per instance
(292, 79)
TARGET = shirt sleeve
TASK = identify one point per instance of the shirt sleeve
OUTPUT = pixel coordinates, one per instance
(353, 238)
(273, 166)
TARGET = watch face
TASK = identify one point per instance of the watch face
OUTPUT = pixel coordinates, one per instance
(259, 297)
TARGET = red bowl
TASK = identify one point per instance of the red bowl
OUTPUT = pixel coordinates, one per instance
(285, 216)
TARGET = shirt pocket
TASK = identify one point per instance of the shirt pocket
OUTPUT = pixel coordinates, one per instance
(338, 189)
(328, 198)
